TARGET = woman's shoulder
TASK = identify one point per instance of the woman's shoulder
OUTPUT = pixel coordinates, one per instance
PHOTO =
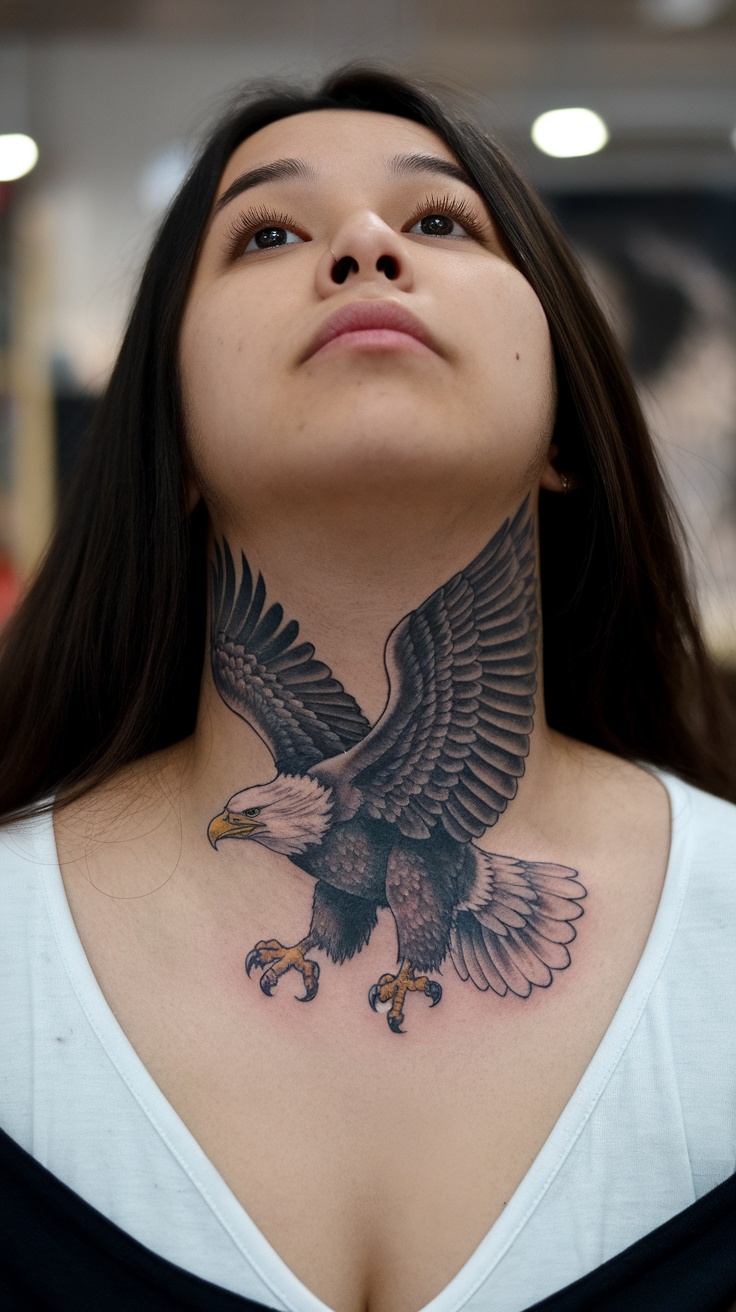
(702, 830)
(634, 789)
(649, 819)
(709, 820)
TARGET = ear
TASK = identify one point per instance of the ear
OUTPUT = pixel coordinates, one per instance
(193, 494)
(553, 479)
(191, 487)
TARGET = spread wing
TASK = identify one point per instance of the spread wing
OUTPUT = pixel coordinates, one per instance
(451, 743)
(511, 932)
(269, 679)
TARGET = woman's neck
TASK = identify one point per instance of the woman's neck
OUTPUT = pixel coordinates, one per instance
(348, 577)
(349, 568)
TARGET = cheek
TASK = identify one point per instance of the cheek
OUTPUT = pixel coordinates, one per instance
(223, 355)
(514, 358)
(219, 359)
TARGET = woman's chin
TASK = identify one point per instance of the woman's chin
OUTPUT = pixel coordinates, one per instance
(377, 473)
(370, 454)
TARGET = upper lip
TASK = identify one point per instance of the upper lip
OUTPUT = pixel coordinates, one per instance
(360, 315)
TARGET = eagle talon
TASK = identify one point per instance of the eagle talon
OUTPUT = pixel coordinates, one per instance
(311, 985)
(394, 988)
(274, 959)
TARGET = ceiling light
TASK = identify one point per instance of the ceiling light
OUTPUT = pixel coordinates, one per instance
(682, 13)
(18, 155)
(568, 132)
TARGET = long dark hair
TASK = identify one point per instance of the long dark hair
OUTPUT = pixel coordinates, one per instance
(102, 661)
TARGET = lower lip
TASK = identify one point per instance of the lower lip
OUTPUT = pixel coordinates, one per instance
(374, 339)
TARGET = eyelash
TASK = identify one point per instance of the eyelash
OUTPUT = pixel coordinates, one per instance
(246, 225)
(452, 207)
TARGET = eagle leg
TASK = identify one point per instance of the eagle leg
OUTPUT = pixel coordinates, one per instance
(274, 959)
(394, 988)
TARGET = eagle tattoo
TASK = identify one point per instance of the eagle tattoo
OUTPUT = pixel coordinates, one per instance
(386, 815)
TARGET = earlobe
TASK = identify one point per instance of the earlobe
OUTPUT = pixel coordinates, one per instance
(193, 494)
(553, 480)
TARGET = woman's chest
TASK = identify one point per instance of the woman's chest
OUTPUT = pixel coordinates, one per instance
(373, 1163)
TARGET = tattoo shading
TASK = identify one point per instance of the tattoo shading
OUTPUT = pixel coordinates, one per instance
(385, 816)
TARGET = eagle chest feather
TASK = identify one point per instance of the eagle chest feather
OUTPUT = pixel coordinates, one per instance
(352, 857)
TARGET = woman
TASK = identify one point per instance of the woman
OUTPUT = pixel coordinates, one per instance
(365, 380)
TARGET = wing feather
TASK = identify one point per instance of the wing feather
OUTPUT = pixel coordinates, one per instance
(522, 913)
(451, 744)
(473, 965)
(456, 952)
(269, 679)
(485, 961)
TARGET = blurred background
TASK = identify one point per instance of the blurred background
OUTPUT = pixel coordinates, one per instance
(116, 95)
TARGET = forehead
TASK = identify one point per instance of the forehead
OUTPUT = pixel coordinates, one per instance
(338, 141)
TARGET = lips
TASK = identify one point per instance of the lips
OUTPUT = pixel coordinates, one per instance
(372, 323)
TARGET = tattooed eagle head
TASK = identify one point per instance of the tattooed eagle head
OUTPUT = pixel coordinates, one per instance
(286, 814)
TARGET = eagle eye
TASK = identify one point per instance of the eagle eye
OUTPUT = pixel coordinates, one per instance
(252, 810)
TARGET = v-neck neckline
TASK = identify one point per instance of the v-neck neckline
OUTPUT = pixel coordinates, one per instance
(242, 1230)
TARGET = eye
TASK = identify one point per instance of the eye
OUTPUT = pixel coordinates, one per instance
(252, 810)
(267, 238)
(449, 216)
(438, 225)
(260, 230)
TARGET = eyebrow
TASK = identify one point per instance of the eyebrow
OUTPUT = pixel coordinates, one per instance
(402, 164)
(275, 172)
(281, 169)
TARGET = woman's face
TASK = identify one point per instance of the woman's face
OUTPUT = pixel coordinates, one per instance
(341, 208)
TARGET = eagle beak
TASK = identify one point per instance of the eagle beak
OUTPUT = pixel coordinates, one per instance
(228, 824)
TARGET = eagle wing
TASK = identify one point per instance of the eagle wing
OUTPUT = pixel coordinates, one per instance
(451, 743)
(270, 680)
(512, 931)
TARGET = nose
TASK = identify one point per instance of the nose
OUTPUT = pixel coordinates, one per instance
(365, 250)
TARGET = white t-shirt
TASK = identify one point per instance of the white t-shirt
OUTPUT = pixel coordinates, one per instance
(650, 1128)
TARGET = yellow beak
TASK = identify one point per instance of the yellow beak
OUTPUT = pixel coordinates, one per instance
(228, 824)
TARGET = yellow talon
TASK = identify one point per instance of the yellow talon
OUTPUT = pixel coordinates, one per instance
(274, 960)
(394, 988)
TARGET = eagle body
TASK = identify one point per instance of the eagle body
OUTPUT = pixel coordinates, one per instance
(367, 864)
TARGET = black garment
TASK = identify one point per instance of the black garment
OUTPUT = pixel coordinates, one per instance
(58, 1254)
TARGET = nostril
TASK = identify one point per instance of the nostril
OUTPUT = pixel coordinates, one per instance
(343, 267)
(387, 264)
